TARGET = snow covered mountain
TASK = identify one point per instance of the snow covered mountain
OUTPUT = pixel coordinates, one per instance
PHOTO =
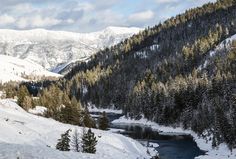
(14, 69)
(56, 49)
(27, 136)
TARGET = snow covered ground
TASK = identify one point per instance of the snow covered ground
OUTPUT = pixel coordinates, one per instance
(28, 136)
(222, 152)
(93, 108)
(38, 110)
(14, 69)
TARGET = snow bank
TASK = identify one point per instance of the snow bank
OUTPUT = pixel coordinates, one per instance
(222, 152)
(93, 108)
(38, 110)
(28, 136)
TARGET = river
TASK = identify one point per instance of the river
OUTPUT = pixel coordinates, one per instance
(172, 146)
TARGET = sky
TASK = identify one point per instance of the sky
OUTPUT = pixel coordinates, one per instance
(89, 15)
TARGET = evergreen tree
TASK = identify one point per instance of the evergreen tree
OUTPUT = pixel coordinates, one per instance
(103, 121)
(64, 142)
(27, 103)
(89, 142)
(88, 120)
(22, 93)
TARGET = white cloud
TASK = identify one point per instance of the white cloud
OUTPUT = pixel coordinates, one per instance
(6, 19)
(166, 1)
(141, 16)
(21, 8)
(22, 23)
(88, 15)
(37, 21)
(70, 21)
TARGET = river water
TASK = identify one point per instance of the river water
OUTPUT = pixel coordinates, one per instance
(170, 146)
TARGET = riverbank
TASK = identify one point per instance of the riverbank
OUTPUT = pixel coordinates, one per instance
(222, 152)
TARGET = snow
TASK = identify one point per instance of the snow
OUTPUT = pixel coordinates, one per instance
(14, 69)
(29, 136)
(38, 110)
(93, 108)
(143, 54)
(154, 47)
(224, 44)
(222, 152)
(55, 48)
(116, 130)
(212, 53)
(204, 65)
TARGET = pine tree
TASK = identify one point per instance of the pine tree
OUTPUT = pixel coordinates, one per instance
(87, 120)
(64, 142)
(89, 142)
(27, 103)
(22, 93)
(103, 121)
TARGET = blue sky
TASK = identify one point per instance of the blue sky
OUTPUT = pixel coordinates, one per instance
(89, 15)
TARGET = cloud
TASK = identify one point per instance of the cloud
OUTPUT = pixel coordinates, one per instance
(105, 4)
(141, 17)
(6, 19)
(89, 15)
(36, 21)
(71, 14)
(20, 8)
(166, 1)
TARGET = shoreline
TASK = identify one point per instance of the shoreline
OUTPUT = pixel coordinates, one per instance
(221, 152)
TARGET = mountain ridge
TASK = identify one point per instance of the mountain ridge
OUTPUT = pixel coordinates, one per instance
(51, 48)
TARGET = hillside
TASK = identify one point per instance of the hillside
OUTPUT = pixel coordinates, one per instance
(160, 73)
(51, 49)
(28, 136)
(14, 69)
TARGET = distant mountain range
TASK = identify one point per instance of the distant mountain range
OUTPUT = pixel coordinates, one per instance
(55, 50)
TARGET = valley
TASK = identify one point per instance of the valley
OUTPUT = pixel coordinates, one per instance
(146, 90)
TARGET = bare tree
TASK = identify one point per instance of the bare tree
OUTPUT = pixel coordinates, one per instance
(75, 142)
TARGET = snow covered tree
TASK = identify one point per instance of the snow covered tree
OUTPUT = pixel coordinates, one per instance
(64, 142)
(75, 142)
(89, 142)
(103, 121)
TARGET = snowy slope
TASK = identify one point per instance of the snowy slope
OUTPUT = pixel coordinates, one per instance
(209, 59)
(28, 136)
(14, 69)
(51, 48)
